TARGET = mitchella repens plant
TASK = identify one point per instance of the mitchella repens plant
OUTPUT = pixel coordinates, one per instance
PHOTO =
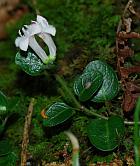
(98, 83)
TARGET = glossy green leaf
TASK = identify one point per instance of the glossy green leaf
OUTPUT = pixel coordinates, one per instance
(3, 102)
(106, 134)
(110, 86)
(57, 113)
(87, 84)
(32, 65)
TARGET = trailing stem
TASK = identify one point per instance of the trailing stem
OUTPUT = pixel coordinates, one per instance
(81, 108)
(68, 91)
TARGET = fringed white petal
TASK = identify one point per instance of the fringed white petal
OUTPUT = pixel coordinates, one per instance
(34, 29)
(41, 20)
(50, 30)
(45, 26)
(22, 42)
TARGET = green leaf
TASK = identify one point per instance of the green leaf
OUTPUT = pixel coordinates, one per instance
(3, 102)
(32, 65)
(110, 86)
(87, 84)
(5, 147)
(57, 113)
(106, 134)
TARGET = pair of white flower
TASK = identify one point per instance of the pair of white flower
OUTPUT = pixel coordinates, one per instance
(41, 28)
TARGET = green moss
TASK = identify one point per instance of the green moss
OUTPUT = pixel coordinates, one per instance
(49, 149)
(107, 158)
(15, 131)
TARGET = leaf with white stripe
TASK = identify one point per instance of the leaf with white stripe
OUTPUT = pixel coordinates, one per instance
(57, 113)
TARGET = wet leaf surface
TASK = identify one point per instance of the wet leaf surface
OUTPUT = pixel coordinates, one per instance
(109, 88)
(57, 113)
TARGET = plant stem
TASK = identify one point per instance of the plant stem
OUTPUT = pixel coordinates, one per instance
(136, 133)
(130, 123)
(25, 140)
(75, 146)
(76, 103)
(81, 108)
(35, 7)
(92, 113)
(68, 91)
(5, 120)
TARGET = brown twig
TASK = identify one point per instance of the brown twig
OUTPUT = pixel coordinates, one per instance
(25, 140)
(125, 10)
(125, 35)
(119, 29)
(123, 51)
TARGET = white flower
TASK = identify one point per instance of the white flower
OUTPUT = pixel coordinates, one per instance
(41, 28)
